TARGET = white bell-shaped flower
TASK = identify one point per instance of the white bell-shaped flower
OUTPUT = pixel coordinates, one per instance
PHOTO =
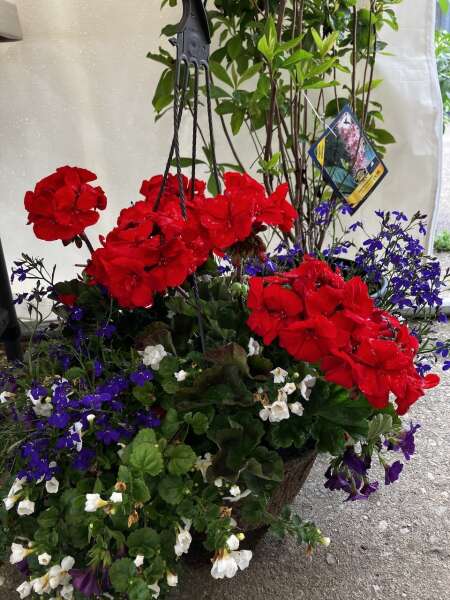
(52, 485)
(24, 590)
(25, 507)
(183, 539)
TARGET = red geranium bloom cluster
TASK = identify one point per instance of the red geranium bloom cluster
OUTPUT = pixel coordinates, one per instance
(319, 317)
(154, 248)
(242, 209)
(150, 250)
(64, 204)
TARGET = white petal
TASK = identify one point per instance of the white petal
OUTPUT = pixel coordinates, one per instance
(242, 558)
(172, 579)
(25, 507)
(67, 563)
(139, 560)
(44, 559)
(52, 486)
(154, 587)
(233, 542)
(296, 408)
(116, 497)
(264, 414)
(24, 590)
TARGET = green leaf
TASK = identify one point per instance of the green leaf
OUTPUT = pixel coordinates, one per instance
(444, 4)
(146, 459)
(171, 489)
(250, 72)
(144, 394)
(297, 57)
(220, 72)
(231, 354)
(170, 424)
(138, 590)
(144, 541)
(379, 425)
(186, 162)
(48, 518)
(121, 573)
(145, 436)
(382, 136)
(198, 421)
(317, 39)
(237, 118)
(181, 459)
(140, 491)
(234, 47)
(74, 373)
(164, 91)
(329, 42)
(369, 86)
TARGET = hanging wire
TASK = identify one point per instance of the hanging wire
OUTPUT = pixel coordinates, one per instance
(192, 43)
(176, 128)
(211, 129)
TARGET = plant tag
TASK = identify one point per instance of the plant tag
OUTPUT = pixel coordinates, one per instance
(347, 159)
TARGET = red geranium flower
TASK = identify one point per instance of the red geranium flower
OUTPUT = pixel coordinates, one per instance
(338, 327)
(64, 204)
(276, 210)
(273, 307)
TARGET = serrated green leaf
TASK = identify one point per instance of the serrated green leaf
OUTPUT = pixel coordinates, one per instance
(138, 590)
(171, 489)
(181, 459)
(146, 459)
(121, 573)
(143, 541)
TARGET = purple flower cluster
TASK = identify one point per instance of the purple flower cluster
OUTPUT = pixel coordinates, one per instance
(350, 472)
(99, 412)
(351, 476)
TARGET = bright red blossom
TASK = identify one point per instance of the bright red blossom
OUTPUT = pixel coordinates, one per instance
(337, 326)
(64, 204)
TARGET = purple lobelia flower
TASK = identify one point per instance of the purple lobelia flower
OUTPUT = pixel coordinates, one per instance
(141, 376)
(392, 472)
(83, 459)
(106, 331)
(97, 368)
(85, 581)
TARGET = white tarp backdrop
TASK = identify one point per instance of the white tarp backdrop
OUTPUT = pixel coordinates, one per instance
(77, 90)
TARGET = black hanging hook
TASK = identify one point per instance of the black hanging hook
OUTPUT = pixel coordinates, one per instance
(193, 37)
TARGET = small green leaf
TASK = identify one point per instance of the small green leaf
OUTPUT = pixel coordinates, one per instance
(48, 518)
(182, 459)
(121, 573)
(140, 491)
(237, 118)
(138, 590)
(143, 541)
(317, 39)
(220, 72)
(297, 57)
(171, 489)
(250, 72)
(146, 459)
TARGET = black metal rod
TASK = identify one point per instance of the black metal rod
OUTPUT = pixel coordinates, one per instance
(10, 332)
